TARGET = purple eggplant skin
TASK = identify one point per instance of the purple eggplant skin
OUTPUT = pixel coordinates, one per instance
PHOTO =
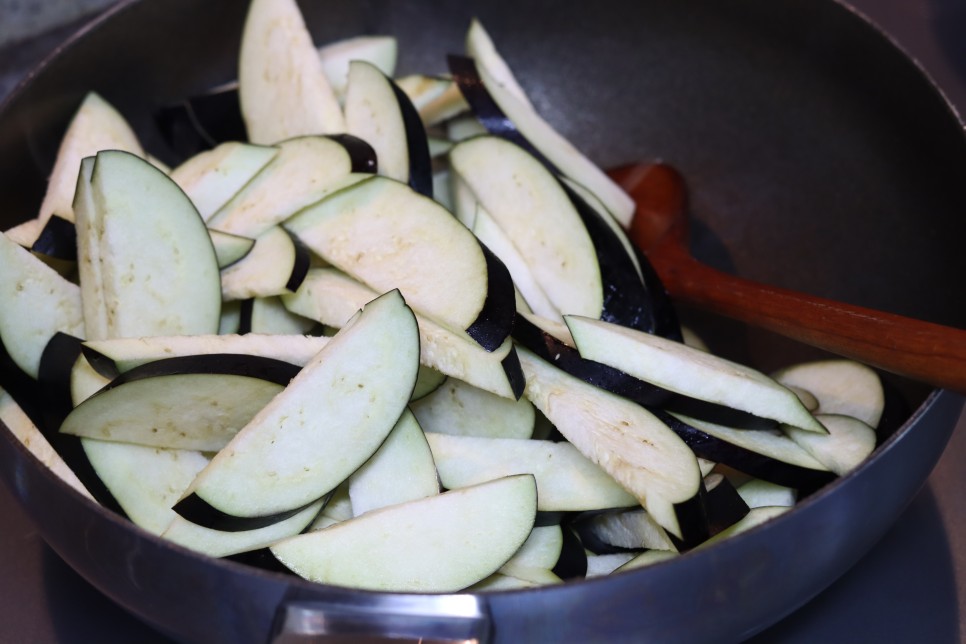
(600, 375)
(572, 562)
(751, 463)
(362, 156)
(201, 122)
(200, 512)
(245, 310)
(514, 373)
(495, 320)
(715, 413)
(420, 161)
(616, 381)
(228, 364)
(487, 112)
(665, 321)
(54, 386)
(57, 239)
(693, 519)
(725, 506)
(48, 401)
(300, 265)
(628, 300)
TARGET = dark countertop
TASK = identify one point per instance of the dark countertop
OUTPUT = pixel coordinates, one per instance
(910, 588)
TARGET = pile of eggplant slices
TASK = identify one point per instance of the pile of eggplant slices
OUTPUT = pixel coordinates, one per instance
(388, 333)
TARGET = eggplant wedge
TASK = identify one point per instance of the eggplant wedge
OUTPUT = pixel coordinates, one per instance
(386, 235)
(442, 543)
(378, 112)
(648, 459)
(567, 481)
(28, 285)
(694, 373)
(326, 423)
(332, 297)
(190, 402)
(213, 177)
(135, 224)
(282, 87)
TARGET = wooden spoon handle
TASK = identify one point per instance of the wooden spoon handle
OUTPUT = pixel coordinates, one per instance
(924, 351)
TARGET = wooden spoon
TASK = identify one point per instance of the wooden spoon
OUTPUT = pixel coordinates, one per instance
(923, 351)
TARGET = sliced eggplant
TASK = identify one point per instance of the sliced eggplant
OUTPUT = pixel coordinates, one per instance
(463, 127)
(725, 506)
(458, 408)
(504, 114)
(387, 236)
(840, 386)
(277, 264)
(480, 47)
(26, 232)
(401, 470)
(146, 481)
(326, 423)
(96, 126)
(541, 549)
(282, 87)
(331, 297)
(373, 114)
(436, 99)
(85, 381)
(758, 493)
(213, 177)
(304, 170)
(201, 122)
(572, 563)
(380, 113)
(848, 442)
(764, 454)
(621, 530)
(566, 479)
(429, 545)
(428, 380)
(190, 402)
(647, 558)
(136, 224)
(116, 356)
(623, 438)
(336, 57)
(528, 204)
(267, 315)
(337, 508)
(28, 285)
(219, 543)
(601, 565)
(87, 223)
(691, 372)
(422, 89)
(55, 377)
(230, 249)
(16, 421)
(565, 357)
(57, 240)
(530, 574)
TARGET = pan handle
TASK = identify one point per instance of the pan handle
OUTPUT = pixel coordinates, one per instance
(396, 619)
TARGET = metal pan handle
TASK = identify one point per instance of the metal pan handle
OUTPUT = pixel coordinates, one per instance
(395, 619)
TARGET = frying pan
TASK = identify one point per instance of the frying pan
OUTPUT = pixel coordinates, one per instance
(819, 158)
